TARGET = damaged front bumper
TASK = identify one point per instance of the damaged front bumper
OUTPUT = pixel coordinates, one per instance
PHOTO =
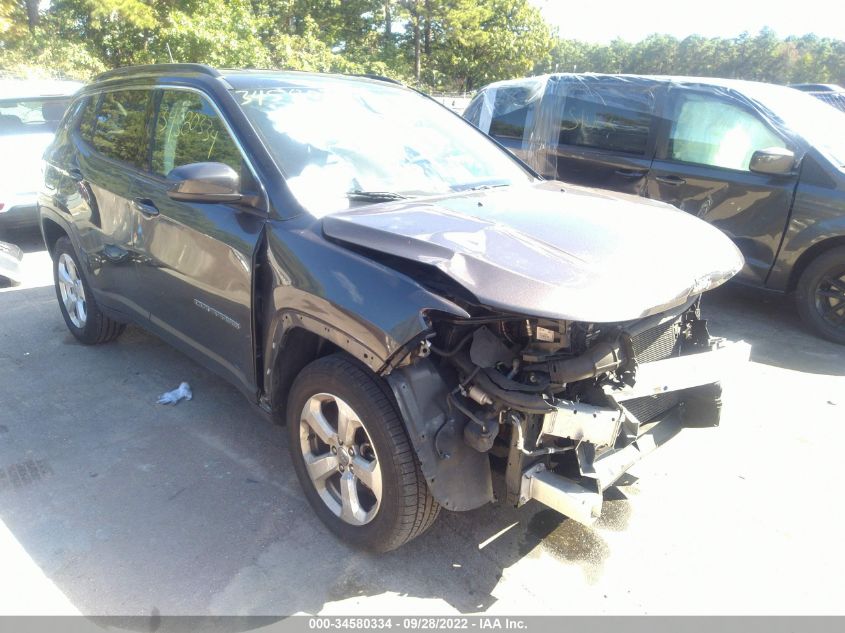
(610, 440)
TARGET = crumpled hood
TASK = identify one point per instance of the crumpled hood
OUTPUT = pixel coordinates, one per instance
(552, 249)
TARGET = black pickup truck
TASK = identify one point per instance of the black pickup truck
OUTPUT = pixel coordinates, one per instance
(435, 324)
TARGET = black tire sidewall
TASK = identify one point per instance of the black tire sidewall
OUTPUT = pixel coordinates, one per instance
(322, 377)
(806, 294)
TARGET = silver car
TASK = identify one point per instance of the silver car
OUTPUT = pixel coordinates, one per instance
(30, 111)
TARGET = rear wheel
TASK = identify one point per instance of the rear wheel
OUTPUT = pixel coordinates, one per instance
(821, 295)
(82, 316)
(353, 457)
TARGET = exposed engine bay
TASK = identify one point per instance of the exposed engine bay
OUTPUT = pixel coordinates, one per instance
(557, 410)
(569, 350)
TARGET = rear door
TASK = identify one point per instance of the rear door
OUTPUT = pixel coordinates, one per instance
(601, 131)
(196, 261)
(702, 168)
(93, 187)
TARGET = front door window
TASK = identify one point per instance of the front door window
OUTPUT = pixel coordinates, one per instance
(713, 132)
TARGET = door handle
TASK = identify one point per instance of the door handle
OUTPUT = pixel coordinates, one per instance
(630, 173)
(673, 181)
(146, 207)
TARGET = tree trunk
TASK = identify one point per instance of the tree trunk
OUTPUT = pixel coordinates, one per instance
(417, 44)
(388, 21)
(427, 28)
(32, 13)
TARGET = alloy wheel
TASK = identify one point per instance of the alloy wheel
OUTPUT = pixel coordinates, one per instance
(72, 291)
(340, 459)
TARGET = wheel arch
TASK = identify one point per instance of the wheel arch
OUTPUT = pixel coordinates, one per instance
(296, 348)
(52, 232)
(808, 256)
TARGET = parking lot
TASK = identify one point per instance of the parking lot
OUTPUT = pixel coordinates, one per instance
(111, 504)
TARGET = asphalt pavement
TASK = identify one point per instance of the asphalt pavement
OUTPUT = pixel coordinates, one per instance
(113, 505)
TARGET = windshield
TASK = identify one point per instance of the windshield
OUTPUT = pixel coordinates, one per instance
(822, 125)
(343, 142)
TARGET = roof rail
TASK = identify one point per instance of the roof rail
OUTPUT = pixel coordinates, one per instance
(378, 78)
(154, 69)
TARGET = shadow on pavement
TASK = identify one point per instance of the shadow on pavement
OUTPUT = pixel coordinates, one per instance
(141, 509)
(772, 325)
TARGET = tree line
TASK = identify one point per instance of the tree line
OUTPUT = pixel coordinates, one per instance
(444, 45)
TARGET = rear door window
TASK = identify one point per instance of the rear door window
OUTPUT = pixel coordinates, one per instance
(615, 116)
(188, 130)
(121, 126)
(709, 130)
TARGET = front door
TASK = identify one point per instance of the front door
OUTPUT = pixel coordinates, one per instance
(702, 168)
(197, 260)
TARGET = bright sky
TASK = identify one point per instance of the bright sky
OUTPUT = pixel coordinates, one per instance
(604, 20)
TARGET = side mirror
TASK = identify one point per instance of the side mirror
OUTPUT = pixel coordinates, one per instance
(205, 182)
(773, 160)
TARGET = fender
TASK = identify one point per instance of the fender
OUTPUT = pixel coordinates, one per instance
(363, 307)
(373, 313)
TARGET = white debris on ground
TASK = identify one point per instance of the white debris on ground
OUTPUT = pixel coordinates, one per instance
(183, 392)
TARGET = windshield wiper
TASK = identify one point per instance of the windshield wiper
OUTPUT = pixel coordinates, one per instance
(374, 196)
(480, 186)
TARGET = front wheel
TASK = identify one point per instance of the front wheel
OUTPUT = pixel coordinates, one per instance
(821, 295)
(353, 457)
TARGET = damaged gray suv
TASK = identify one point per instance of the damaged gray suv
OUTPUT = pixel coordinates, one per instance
(436, 325)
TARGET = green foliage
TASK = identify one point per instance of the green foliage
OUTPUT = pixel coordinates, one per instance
(761, 57)
(456, 45)
(479, 42)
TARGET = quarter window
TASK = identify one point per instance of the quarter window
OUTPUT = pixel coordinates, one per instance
(188, 130)
(512, 112)
(609, 117)
(121, 126)
(713, 132)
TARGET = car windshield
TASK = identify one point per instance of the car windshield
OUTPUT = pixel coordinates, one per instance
(344, 142)
(820, 124)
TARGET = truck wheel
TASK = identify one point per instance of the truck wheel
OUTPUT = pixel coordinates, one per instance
(76, 301)
(353, 457)
(821, 295)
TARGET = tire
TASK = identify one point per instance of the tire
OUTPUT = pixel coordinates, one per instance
(85, 320)
(336, 388)
(820, 295)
